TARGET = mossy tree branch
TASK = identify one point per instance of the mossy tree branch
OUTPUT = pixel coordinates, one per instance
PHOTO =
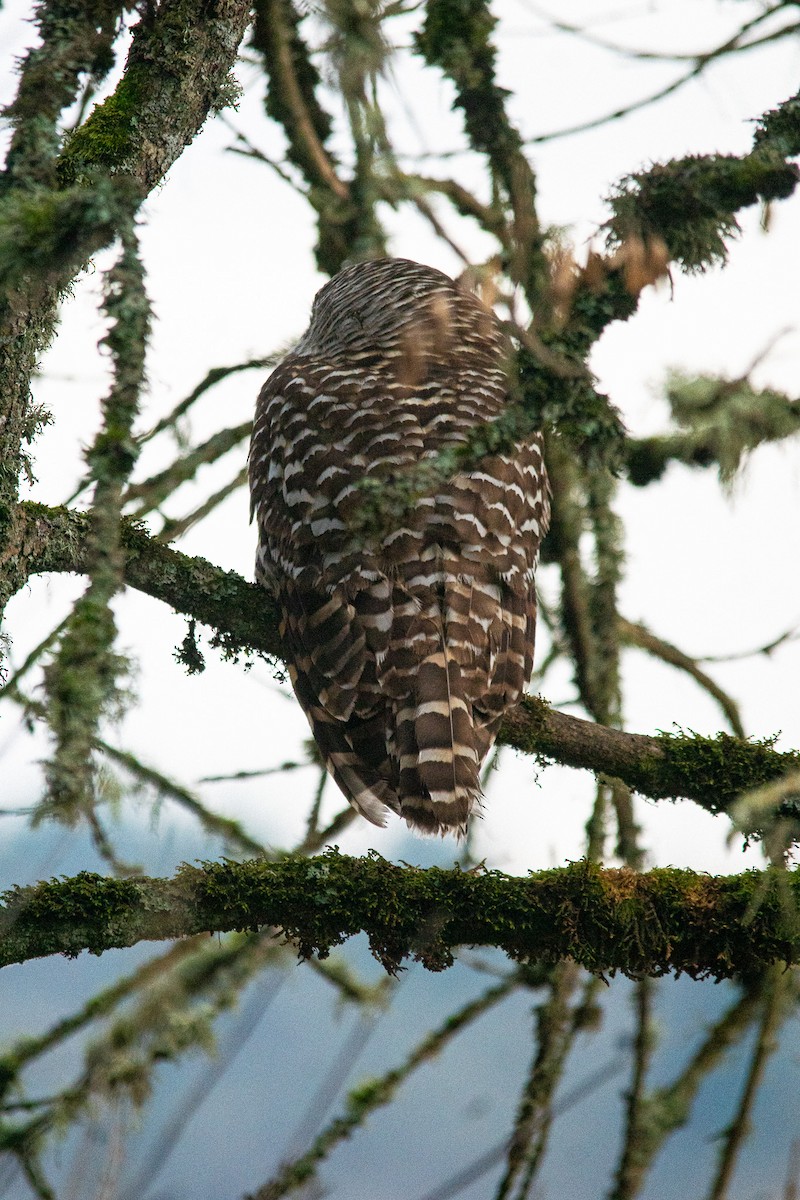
(82, 680)
(691, 203)
(75, 39)
(688, 206)
(606, 920)
(722, 419)
(176, 73)
(711, 771)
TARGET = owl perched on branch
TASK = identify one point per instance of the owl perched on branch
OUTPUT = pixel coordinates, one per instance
(405, 648)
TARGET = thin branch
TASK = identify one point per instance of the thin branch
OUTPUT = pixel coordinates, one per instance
(212, 377)
(639, 635)
(774, 1008)
(152, 492)
(699, 64)
(229, 830)
(175, 527)
(555, 1031)
(326, 837)
(566, 531)
(291, 98)
(105, 847)
(364, 1100)
(481, 1165)
(226, 828)
(20, 1053)
(457, 39)
(669, 1107)
(11, 686)
(791, 1190)
(727, 47)
(637, 1112)
(789, 635)
(289, 765)
(172, 1015)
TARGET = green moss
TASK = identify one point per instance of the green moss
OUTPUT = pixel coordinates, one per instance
(720, 768)
(189, 654)
(667, 920)
(68, 915)
(571, 407)
(457, 38)
(108, 138)
(607, 920)
(780, 128)
(42, 232)
(691, 202)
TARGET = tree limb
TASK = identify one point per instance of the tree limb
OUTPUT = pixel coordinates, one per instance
(606, 920)
(712, 772)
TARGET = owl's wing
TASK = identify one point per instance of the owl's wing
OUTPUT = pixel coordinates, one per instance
(404, 654)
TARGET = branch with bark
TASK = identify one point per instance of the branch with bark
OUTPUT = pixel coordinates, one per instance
(605, 919)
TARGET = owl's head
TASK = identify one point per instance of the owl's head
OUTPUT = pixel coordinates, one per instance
(376, 305)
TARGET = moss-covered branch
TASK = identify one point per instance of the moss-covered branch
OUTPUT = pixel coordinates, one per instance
(606, 920)
(57, 211)
(242, 614)
(83, 678)
(722, 421)
(711, 771)
(177, 72)
(456, 37)
(691, 203)
(291, 100)
(685, 209)
(74, 40)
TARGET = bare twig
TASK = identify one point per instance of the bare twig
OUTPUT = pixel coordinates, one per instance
(362, 1101)
(773, 1009)
(699, 64)
(636, 634)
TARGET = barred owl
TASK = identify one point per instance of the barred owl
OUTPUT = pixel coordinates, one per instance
(404, 650)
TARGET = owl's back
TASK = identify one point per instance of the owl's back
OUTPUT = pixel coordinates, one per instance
(404, 651)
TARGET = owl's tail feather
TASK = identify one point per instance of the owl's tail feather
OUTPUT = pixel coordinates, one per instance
(372, 797)
(439, 783)
(354, 754)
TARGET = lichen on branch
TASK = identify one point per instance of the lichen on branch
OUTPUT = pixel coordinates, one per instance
(82, 679)
(691, 203)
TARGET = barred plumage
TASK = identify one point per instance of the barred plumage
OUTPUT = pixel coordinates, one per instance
(404, 652)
